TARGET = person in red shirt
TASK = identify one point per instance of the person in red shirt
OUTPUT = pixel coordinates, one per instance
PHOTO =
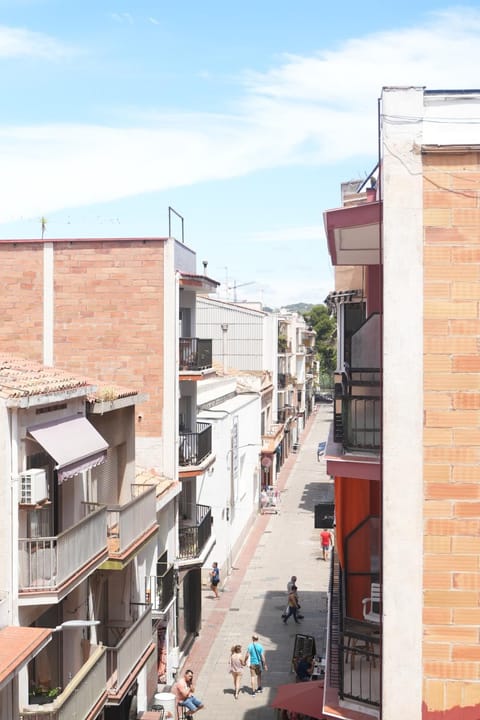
(326, 541)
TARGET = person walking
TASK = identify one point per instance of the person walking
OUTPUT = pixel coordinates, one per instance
(290, 584)
(184, 691)
(326, 541)
(293, 606)
(214, 579)
(255, 657)
(236, 665)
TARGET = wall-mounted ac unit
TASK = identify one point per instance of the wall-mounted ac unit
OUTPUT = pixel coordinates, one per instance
(33, 486)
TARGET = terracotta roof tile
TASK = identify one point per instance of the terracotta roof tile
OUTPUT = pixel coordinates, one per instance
(24, 378)
(18, 645)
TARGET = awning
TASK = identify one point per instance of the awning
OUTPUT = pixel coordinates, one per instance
(18, 645)
(304, 698)
(73, 443)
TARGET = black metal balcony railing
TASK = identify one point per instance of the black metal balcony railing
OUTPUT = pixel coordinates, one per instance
(160, 589)
(195, 354)
(358, 410)
(360, 666)
(354, 652)
(193, 538)
(195, 446)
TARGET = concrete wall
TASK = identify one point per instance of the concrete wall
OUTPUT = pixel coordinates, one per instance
(403, 409)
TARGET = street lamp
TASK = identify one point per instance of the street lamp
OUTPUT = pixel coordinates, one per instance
(76, 624)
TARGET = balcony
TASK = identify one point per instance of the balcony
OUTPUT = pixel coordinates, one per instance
(358, 410)
(49, 563)
(160, 590)
(195, 447)
(194, 536)
(195, 354)
(127, 647)
(353, 655)
(129, 526)
(83, 697)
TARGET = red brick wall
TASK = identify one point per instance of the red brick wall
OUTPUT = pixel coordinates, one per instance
(108, 322)
(21, 299)
(451, 649)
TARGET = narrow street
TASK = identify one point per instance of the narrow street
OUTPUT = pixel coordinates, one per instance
(254, 596)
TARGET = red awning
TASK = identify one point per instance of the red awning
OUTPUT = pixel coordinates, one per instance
(73, 443)
(305, 698)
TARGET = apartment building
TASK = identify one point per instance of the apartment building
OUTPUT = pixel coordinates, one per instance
(295, 389)
(122, 310)
(403, 450)
(78, 639)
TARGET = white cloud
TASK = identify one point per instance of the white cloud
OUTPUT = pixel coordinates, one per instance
(19, 42)
(318, 109)
(123, 17)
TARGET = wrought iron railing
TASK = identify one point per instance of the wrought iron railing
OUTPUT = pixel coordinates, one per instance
(195, 446)
(358, 410)
(360, 662)
(160, 589)
(195, 354)
(193, 538)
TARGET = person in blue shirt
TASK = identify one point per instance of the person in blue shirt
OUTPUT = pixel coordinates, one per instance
(304, 668)
(214, 579)
(255, 657)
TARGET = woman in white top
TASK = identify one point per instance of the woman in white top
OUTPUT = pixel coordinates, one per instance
(236, 667)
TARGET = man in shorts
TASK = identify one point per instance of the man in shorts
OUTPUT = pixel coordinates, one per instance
(255, 657)
(184, 690)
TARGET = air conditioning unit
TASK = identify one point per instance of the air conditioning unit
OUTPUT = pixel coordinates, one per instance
(33, 486)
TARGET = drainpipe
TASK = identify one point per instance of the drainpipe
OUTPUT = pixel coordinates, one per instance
(14, 530)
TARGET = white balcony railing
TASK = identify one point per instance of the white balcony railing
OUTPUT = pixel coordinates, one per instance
(126, 523)
(80, 696)
(122, 658)
(47, 562)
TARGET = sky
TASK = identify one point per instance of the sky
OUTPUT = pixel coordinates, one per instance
(244, 117)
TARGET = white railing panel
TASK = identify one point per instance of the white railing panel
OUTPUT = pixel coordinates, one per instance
(47, 562)
(85, 695)
(131, 647)
(137, 516)
(80, 543)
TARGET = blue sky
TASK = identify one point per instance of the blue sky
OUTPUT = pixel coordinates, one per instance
(244, 117)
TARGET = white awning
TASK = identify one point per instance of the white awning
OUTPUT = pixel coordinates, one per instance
(73, 443)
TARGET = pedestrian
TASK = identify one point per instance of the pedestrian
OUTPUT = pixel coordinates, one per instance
(320, 450)
(326, 541)
(184, 691)
(255, 657)
(293, 606)
(290, 584)
(235, 667)
(304, 668)
(214, 579)
(263, 500)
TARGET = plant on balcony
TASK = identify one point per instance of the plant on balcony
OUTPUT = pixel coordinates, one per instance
(41, 695)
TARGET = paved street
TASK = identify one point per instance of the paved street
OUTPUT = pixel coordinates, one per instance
(253, 597)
